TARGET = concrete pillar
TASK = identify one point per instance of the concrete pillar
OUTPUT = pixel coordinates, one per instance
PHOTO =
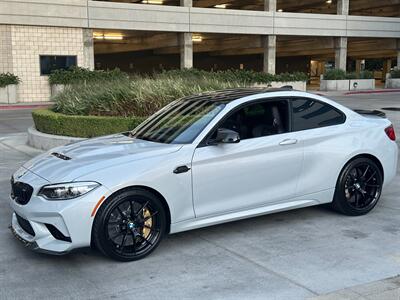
(187, 3)
(387, 66)
(186, 50)
(343, 7)
(359, 66)
(341, 42)
(269, 54)
(88, 49)
(186, 43)
(398, 54)
(270, 5)
(341, 53)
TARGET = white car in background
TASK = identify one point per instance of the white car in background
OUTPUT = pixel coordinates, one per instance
(203, 160)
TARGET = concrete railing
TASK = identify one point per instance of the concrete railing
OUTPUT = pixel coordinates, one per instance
(128, 16)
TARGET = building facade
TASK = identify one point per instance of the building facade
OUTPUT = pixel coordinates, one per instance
(37, 36)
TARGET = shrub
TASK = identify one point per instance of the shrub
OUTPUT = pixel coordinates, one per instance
(8, 79)
(50, 122)
(81, 75)
(366, 75)
(338, 74)
(351, 75)
(244, 77)
(395, 73)
(138, 97)
(335, 74)
(144, 95)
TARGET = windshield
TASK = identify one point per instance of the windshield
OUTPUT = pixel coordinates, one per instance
(178, 123)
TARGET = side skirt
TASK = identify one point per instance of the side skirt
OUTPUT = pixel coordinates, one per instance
(299, 202)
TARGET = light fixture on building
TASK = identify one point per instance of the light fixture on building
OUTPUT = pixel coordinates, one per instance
(197, 38)
(329, 1)
(153, 1)
(224, 5)
(280, 10)
(107, 36)
(113, 37)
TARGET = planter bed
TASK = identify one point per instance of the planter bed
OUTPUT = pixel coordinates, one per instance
(8, 94)
(392, 83)
(44, 141)
(347, 85)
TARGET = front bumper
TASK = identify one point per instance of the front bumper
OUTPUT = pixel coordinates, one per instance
(72, 219)
(19, 234)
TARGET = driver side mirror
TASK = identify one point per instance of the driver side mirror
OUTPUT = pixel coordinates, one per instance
(226, 136)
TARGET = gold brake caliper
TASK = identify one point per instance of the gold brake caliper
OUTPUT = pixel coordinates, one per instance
(148, 223)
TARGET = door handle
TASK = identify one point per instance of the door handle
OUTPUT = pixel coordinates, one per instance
(181, 169)
(288, 142)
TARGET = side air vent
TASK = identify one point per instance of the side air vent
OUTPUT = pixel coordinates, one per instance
(57, 234)
(60, 156)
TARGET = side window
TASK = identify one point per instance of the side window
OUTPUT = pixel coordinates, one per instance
(309, 113)
(50, 63)
(259, 119)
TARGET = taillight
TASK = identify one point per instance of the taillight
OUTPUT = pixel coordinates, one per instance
(390, 133)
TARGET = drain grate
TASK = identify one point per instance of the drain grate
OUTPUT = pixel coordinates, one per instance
(391, 108)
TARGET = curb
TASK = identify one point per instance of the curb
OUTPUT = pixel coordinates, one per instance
(44, 141)
(374, 92)
(16, 107)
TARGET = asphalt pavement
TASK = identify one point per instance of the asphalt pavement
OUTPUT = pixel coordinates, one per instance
(304, 253)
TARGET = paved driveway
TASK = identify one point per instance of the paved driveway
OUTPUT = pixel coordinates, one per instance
(14, 121)
(290, 255)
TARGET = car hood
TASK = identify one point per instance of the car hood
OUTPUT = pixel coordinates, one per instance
(70, 162)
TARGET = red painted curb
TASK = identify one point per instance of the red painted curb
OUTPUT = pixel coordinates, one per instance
(16, 107)
(374, 92)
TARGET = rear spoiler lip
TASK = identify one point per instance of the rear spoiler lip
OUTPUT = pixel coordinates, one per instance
(375, 112)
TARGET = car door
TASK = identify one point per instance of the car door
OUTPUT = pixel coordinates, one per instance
(263, 168)
(324, 136)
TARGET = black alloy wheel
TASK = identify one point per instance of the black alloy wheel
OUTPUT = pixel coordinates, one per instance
(359, 187)
(130, 225)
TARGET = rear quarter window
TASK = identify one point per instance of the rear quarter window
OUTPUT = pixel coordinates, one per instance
(309, 113)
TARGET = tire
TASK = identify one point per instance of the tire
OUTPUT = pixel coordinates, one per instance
(127, 234)
(358, 188)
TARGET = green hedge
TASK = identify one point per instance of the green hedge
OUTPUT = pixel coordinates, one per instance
(395, 73)
(47, 121)
(81, 75)
(8, 79)
(338, 74)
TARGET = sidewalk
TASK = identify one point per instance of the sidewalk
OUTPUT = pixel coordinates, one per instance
(387, 289)
(349, 93)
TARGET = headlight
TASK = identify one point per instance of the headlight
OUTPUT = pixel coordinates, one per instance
(66, 191)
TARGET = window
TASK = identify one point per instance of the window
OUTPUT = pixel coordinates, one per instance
(309, 113)
(50, 63)
(179, 123)
(259, 119)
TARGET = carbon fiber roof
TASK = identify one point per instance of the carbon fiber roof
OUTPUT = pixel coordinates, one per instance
(229, 95)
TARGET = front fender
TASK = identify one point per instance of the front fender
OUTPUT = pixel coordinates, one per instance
(155, 173)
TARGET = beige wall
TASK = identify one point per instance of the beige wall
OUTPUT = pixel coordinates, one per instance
(5, 49)
(27, 43)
